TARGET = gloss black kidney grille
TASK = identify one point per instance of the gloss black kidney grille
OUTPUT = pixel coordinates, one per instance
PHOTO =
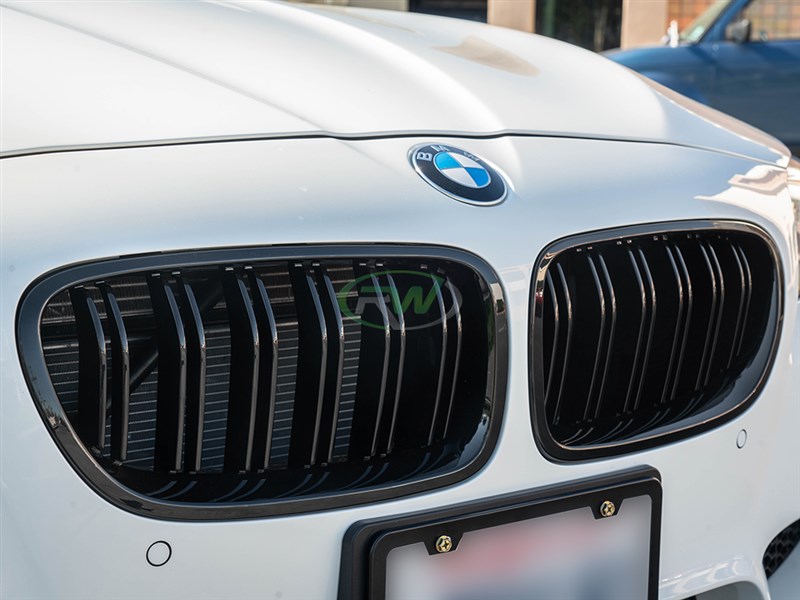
(241, 378)
(640, 337)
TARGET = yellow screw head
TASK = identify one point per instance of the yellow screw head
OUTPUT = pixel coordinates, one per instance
(607, 508)
(444, 544)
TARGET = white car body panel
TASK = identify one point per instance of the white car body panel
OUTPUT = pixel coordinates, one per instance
(722, 504)
(159, 71)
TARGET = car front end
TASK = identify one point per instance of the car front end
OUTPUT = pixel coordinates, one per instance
(352, 292)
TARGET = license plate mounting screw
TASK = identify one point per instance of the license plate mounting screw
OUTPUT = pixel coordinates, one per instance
(444, 543)
(607, 508)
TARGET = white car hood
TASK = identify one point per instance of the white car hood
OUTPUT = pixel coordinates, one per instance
(105, 74)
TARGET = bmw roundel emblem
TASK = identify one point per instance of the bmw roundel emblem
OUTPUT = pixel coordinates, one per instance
(458, 174)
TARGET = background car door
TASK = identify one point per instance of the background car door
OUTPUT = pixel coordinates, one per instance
(757, 78)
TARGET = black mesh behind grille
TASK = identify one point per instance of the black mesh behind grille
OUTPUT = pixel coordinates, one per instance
(259, 380)
(781, 547)
(644, 336)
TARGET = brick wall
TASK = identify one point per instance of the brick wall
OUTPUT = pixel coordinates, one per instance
(780, 18)
(685, 11)
(775, 19)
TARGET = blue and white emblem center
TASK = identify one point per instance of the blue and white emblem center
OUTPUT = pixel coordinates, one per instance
(462, 170)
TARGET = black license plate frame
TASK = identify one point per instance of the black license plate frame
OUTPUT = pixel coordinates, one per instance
(367, 543)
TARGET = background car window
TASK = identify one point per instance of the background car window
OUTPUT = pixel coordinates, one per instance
(700, 25)
(773, 20)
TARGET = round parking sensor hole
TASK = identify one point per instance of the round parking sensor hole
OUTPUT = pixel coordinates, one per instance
(741, 439)
(159, 553)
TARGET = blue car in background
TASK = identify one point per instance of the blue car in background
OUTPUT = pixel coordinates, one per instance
(741, 57)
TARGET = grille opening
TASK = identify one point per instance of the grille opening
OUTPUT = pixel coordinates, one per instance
(781, 547)
(263, 381)
(638, 338)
